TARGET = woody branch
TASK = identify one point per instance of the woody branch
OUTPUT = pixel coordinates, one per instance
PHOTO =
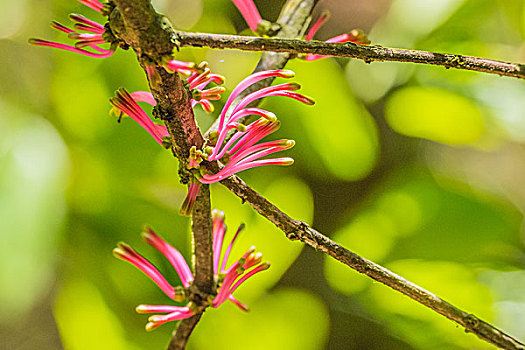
(136, 23)
(363, 52)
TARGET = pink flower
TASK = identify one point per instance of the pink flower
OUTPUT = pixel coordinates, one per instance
(242, 151)
(191, 197)
(93, 4)
(227, 279)
(126, 103)
(250, 13)
(198, 81)
(92, 37)
(355, 36)
(185, 68)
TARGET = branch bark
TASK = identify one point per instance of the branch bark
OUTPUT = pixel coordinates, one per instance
(150, 34)
(183, 332)
(202, 243)
(351, 50)
(135, 22)
(301, 231)
(294, 20)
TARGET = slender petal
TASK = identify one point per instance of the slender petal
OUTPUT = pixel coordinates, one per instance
(249, 12)
(181, 66)
(93, 4)
(157, 320)
(173, 255)
(149, 309)
(40, 42)
(325, 15)
(219, 230)
(61, 27)
(252, 272)
(250, 80)
(88, 24)
(232, 273)
(228, 280)
(126, 103)
(227, 253)
(241, 306)
(144, 96)
(189, 201)
(126, 253)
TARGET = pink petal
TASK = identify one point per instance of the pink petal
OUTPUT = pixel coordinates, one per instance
(172, 254)
(127, 253)
(249, 12)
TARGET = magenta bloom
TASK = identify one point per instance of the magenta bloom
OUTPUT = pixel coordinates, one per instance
(198, 81)
(243, 150)
(87, 33)
(126, 103)
(228, 279)
(355, 36)
(250, 13)
(185, 68)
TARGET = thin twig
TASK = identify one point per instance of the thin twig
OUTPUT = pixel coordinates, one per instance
(183, 332)
(293, 20)
(298, 230)
(362, 52)
(202, 243)
(137, 23)
(172, 98)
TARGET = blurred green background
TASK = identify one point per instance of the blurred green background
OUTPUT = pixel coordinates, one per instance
(418, 168)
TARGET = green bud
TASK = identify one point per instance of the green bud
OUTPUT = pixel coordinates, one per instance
(217, 215)
(180, 293)
(166, 142)
(241, 127)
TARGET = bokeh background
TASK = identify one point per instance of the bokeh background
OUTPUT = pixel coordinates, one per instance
(418, 168)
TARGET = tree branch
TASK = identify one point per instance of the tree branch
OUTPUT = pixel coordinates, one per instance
(136, 23)
(298, 230)
(362, 52)
(201, 225)
(183, 332)
(293, 20)
(149, 34)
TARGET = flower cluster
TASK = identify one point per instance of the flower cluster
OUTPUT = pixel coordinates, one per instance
(234, 146)
(250, 13)
(355, 36)
(227, 279)
(199, 78)
(254, 20)
(242, 150)
(87, 33)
